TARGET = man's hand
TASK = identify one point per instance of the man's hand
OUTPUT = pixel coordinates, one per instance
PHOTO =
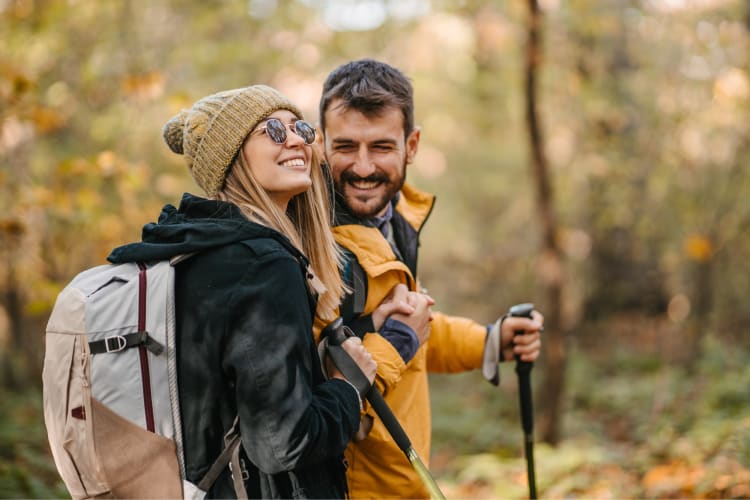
(419, 319)
(527, 345)
(502, 344)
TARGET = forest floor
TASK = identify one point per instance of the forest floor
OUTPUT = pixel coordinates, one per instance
(634, 425)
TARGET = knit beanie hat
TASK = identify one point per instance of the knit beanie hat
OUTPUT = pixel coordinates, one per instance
(212, 132)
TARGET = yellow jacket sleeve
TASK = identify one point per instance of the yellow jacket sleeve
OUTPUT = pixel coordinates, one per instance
(456, 344)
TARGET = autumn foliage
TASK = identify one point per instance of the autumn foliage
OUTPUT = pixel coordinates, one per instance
(643, 110)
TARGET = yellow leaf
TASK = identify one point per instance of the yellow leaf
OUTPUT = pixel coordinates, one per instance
(46, 119)
(88, 199)
(36, 307)
(699, 247)
(43, 196)
(144, 86)
(106, 161)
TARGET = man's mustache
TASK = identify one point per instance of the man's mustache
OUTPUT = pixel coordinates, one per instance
(348, 177)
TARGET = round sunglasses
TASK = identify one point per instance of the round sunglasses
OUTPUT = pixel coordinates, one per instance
(276, 130)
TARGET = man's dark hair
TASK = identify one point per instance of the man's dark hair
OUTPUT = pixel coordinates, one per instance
(370, 87)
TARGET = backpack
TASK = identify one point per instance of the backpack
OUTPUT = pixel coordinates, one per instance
(111, 399)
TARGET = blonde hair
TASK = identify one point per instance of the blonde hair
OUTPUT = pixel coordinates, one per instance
(307, 224)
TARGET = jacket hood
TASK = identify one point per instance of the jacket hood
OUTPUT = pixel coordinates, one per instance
(199, 224)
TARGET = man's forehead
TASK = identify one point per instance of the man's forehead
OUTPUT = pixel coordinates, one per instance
(347, 122)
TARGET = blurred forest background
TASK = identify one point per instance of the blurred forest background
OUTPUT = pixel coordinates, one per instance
(590, 156)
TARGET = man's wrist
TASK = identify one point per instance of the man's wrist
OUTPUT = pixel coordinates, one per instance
(402, 337)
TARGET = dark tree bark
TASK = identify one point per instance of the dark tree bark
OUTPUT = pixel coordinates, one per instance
(12, 301)
(551, 389)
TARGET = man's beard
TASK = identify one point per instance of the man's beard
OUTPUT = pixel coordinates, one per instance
(391, 189)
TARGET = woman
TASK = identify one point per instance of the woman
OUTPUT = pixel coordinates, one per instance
(261, 261)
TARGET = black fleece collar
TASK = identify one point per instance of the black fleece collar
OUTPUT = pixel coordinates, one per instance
(199, 224)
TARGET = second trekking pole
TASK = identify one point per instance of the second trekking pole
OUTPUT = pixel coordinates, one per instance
(523, 370)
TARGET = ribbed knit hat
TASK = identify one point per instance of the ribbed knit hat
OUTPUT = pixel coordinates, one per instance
(212, 132)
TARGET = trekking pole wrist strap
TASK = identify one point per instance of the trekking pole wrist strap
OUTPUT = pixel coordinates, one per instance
(360, 397)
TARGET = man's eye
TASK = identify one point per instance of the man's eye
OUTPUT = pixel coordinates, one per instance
(382, 148)
(344, 148)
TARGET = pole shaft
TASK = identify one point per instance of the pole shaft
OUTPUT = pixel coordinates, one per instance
(425, 475)
(529, 449)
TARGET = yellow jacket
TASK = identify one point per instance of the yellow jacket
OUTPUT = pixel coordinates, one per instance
(377, 467)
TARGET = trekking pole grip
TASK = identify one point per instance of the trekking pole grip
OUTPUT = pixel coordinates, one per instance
(337, 333)
(521, 311)
(523, 370)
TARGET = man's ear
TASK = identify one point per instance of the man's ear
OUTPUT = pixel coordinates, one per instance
(319, 145)
(412, 144)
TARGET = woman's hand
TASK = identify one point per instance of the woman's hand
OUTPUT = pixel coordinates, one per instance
(395, 302)
(353, 346)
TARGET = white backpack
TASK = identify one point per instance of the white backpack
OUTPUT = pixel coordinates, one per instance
(111, 401)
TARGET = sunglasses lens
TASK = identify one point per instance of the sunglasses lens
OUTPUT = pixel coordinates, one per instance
(305, 130)
(276, 130)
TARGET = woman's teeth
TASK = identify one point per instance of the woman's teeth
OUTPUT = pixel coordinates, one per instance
(297, 162)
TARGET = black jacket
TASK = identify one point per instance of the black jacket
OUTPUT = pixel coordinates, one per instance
(245, 345)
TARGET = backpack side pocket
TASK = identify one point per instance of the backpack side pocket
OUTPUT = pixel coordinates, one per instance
(67, 415)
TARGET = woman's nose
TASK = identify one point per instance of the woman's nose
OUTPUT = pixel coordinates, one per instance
(292, 138)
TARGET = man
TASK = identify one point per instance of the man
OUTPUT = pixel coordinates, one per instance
(367, 119)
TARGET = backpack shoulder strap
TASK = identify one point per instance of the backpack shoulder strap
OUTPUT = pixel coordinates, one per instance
(353, 304)
(230, 455)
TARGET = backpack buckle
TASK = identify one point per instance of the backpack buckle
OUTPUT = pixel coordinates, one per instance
(115, 343)
(243, 468)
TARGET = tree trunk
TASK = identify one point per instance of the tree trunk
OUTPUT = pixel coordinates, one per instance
(13, 304)
(552, 386)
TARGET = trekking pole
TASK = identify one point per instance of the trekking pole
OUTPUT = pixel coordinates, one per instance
(523, 370)
(335, 331)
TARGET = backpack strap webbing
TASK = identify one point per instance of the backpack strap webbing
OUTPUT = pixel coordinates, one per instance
(230, 455)
(353, 304)
(117, 343)
(361, 325)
